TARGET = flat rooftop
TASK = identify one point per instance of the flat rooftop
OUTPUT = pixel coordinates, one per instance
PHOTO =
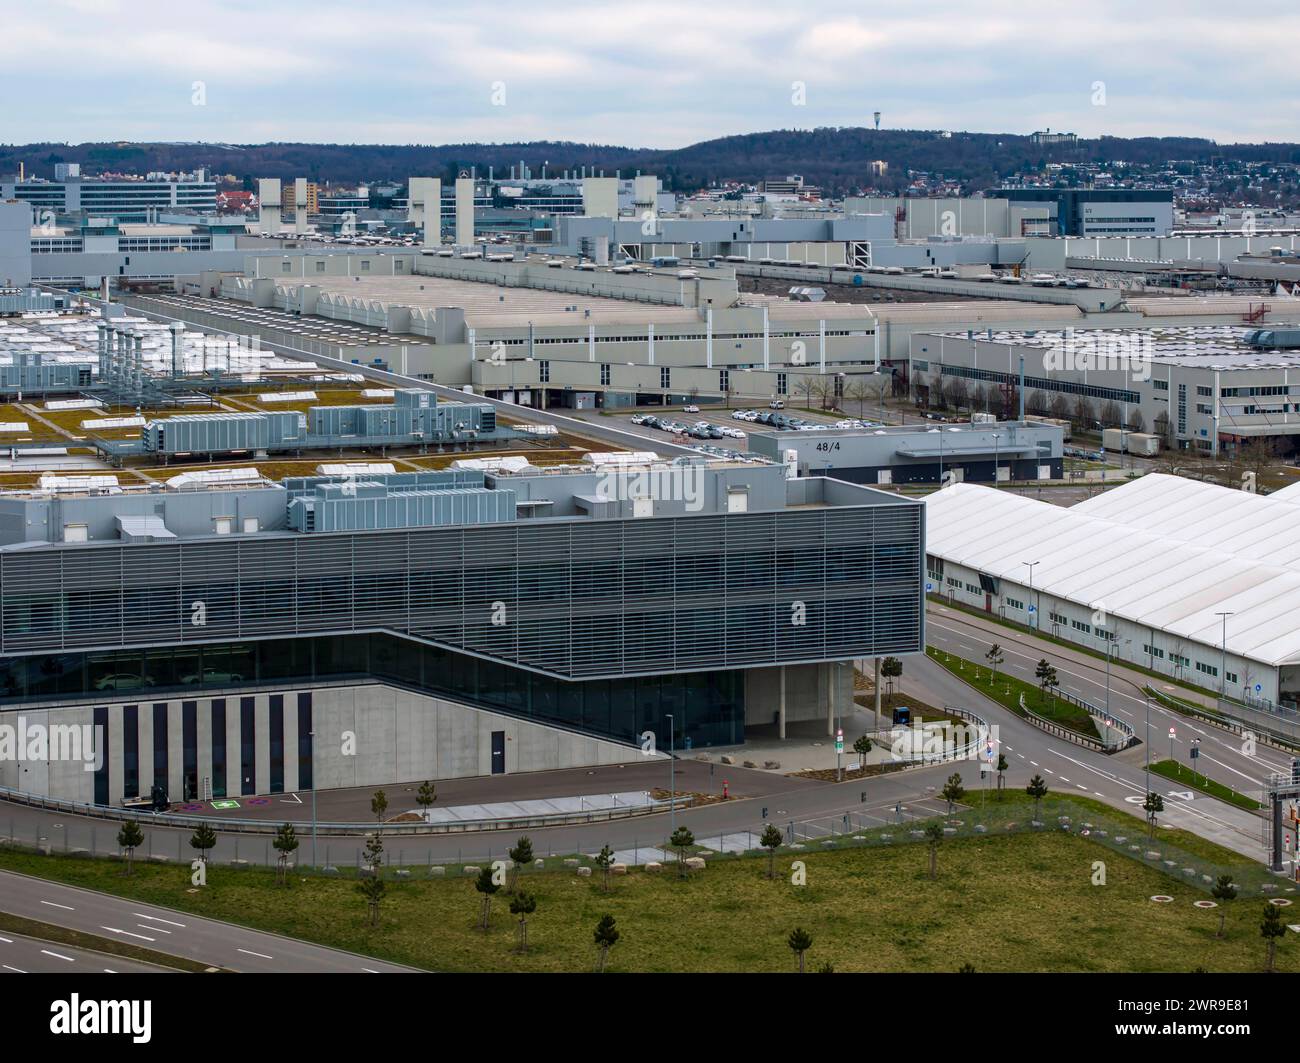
(1210, 346)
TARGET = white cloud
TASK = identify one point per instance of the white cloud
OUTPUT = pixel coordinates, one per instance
(643, 74)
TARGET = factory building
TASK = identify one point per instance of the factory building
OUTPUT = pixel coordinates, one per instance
(452, 623)
(124, 200)
(1205, 387)
(1190, 580)
(1123, 212)
(996, 452)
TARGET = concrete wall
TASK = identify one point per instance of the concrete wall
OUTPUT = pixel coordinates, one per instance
(15, 244)
(364, 735)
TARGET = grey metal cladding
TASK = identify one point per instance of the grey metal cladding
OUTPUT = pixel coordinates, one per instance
(573, 598)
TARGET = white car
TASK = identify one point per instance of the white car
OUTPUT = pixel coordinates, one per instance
(690, 409)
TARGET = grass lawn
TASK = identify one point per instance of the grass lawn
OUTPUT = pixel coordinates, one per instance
(1007, 690)
(1180, 773)
(1002, 902)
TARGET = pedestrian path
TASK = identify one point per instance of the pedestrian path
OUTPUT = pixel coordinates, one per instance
(544, 806)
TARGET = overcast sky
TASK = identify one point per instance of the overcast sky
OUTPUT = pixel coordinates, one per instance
(661, 74)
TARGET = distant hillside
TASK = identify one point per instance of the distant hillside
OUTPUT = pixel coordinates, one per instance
(835, 159)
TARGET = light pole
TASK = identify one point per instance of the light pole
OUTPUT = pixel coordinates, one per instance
(1147, 743)
(1223, 656)
(312, 736)
(1033, 617)
(672, 780)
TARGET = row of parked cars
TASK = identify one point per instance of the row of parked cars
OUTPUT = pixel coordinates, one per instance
(780, 420)
(698, 430)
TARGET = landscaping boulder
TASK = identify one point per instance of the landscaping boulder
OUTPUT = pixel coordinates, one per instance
(654, 866)
(618, 869)
(695, 863)
(584, 872)
(471, 869)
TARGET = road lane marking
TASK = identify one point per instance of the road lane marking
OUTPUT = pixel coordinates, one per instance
(65, 907)
(16, 970)
(128, 933)
(155, 929)
(57, 955)
(158, 918)
(261, 955)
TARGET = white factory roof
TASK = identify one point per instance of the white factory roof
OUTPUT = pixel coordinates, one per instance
(1138, 575)
(1290, 493)
(1252, 527)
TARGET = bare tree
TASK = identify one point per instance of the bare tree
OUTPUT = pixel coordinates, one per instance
(1036, 404)
(858, 392)
(1136, 422)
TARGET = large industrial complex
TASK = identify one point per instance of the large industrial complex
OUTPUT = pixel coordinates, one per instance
(578, 535)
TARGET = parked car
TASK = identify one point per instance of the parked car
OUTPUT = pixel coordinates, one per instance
(690, 409)
(213, 675)
(123, 681)
(776, 404)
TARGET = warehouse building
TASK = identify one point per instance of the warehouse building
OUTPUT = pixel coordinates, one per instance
(998, 452)
(228, 640)
(1190, 580)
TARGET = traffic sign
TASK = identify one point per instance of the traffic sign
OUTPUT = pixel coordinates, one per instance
(1171, 732)
(839, 741)
(1033, 608)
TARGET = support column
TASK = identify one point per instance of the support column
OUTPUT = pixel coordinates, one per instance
(877, 693)
(828, 680)
(781, 712)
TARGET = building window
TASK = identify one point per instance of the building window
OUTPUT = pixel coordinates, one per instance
(320, 267)
(1015, 603)
(724, 380)
(160, 746)
(365, 265)
(247, 746)
(665, 377)
(286, 267)
(305, 781)
(1154, 651)
(130, 751)
(1208, 669)
(604, 374)
(781, 388)
(219, 747)
(275, 704)
(544, 372)
(1231, 677)
(189, 749)
(1079, 625)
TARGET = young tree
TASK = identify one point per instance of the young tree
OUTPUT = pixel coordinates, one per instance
(1223, 892)
(604, 861)
(806, 386)
(953, 790)
(862, 746)
(523, 905)
(1046, 676)
(681, 840)
(373, 890)
(373, 856)
(1153, 805)
(1002, 767)
(771, 841)
(1037, 789)
(858, 392)
(203, 839)
(521, 854)
(995, 658)
(130, 837)
(379, 805)
(486, 886)
(1271, 929)
(606, 937)
(966, 968)
(285, 843)
(934, 835)
(427, 794)
(891, 668)
(800, 941)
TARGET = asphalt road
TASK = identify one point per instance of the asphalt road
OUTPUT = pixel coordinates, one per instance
(209, 941)
(1221, 753)
(20, 954)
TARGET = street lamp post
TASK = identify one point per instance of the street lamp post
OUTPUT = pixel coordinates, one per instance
(1033, 617)
(312, 736)
(672, 780)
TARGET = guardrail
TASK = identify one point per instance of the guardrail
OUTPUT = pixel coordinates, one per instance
(1229, 718)
(1105, 719)
(1060, 731)
(270, 826)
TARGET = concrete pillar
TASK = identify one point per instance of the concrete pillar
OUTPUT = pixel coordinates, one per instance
(781, 720)
(300, 205)
(877, 693)
(268, 205)
(826, 678)
(464, 211)
(424, 208)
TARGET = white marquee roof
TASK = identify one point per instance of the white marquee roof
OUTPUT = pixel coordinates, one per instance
(1253, 527)
(1143, 577)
